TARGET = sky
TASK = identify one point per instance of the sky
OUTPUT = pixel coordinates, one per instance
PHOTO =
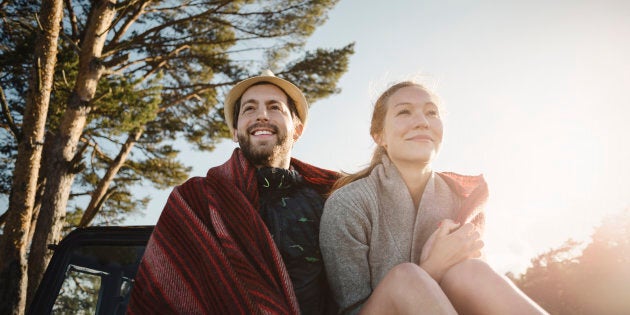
(537, 100)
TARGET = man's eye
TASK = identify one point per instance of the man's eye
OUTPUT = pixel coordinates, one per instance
(248, 108)
(275, 107)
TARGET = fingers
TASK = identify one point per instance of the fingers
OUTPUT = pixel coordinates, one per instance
(469, 239)
(451, 243)
(467, 231)
(478, 245)
(475, 244)
(475, 249)
(447, 226)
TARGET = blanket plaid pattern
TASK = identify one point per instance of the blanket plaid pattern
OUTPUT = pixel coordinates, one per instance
(211, 253)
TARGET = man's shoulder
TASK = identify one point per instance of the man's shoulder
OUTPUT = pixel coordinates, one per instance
(191, 185)
(304, 168)
(192, 181)
(316, 177)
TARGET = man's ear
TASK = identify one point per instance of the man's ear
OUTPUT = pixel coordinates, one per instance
(299, 127)
(234, 136)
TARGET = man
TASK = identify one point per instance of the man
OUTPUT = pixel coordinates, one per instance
(243, 239)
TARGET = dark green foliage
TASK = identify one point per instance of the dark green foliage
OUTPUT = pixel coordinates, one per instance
(318, 72)
(167, 65)
(15, 55)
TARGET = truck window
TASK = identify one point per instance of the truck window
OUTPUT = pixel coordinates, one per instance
(79, 291)
(98, 280)
(92, 272)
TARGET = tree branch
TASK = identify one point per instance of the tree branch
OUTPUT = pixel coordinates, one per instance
(69, 40)
(15, 131)
(101, 192)
(3, 218)
(194, 94)
(127, 24)
(137, 39)
(73, 20)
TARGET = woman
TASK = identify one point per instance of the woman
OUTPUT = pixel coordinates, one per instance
(398, 237)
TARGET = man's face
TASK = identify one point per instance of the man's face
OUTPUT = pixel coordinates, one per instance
(265, 129)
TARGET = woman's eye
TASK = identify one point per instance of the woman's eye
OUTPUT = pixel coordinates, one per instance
(403, 112)
(275, 107)
(433, 113)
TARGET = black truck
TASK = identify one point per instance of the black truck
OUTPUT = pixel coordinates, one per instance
(92, 271)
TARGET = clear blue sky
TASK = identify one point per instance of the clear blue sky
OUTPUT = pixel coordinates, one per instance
(537, 94)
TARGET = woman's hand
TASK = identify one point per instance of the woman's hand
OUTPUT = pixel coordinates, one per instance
(449, 245)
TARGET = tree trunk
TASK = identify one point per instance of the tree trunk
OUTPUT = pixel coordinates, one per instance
(63, 163)
(13, 246)
(37, 205)
(98, 195)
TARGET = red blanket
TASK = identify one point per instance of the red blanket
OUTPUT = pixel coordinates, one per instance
(211, 253)
(473, 190)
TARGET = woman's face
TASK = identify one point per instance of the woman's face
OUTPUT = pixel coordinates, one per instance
(412, 131)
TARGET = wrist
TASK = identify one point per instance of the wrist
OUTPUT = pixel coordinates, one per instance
(434, 271)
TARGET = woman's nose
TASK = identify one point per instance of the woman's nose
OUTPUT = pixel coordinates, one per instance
(421, 121)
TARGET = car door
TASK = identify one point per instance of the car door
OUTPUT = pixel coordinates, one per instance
(92, 271)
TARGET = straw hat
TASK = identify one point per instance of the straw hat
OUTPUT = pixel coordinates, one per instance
(266, 76)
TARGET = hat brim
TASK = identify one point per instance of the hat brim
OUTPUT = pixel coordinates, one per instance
(237, 91)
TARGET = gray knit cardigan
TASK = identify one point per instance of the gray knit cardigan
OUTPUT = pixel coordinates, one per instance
(371, 225)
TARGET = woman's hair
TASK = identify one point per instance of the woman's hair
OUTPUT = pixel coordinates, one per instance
(376, 127)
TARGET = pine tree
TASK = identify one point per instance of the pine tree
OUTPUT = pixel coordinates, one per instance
(131, 78)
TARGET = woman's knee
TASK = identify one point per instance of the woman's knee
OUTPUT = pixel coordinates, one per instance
(408, 276)
(409, 272)
(405, 289)
(466, 275)
(474, 286)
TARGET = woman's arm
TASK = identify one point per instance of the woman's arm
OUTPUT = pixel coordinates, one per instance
(344, 241)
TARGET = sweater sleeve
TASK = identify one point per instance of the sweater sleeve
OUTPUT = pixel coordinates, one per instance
(344, 241)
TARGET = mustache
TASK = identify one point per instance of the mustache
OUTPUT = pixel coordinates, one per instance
(251, 128)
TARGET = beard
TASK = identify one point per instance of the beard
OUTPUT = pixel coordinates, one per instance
(260, 155)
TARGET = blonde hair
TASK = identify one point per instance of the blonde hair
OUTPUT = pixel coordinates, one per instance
(376, 127)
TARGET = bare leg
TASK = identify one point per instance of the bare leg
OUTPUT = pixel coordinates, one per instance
(475, 288)
(407, 289)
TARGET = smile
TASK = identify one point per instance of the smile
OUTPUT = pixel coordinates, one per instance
(262, 129)
(419, 138)
(262, 132)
